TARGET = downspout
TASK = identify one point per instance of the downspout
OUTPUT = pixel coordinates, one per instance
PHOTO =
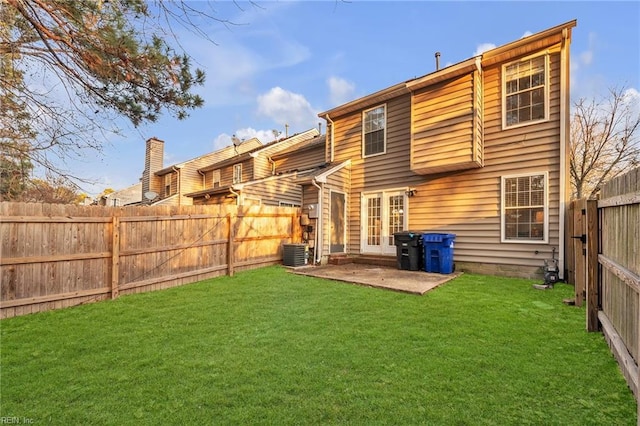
(273, 165)
(237, 194)
(178, 184)
(564, 142)
(318, 242)
(204, 178)
(331, 155)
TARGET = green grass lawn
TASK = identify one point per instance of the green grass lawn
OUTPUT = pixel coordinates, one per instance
(269, 347)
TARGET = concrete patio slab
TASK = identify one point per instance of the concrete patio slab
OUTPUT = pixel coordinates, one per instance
(414, 282)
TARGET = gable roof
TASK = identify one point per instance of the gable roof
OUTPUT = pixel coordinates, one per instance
(500, 53)
(268, 149)
(215, 156)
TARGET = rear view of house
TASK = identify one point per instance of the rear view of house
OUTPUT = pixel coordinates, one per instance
(478, 149)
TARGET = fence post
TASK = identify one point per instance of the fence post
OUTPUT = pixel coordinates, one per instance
(115, 256)
(296, 228)
(230, 245)
(593, 284)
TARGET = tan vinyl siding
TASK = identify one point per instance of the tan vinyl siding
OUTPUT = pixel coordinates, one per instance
(272, 192)
(443, 119)
(464, 202)
(302, 159)
(389, 170)
(261, 167)
(468, 203)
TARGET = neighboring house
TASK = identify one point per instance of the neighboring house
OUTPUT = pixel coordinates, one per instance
(478, 149)
(252, 178)
(168, 185)
(131, 196)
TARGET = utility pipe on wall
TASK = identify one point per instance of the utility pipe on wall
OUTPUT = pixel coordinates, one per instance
(318, 243)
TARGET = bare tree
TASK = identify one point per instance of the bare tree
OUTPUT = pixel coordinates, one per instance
(70, 69)
(604, 140)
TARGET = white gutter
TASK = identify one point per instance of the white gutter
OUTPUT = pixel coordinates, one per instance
(331, 156)
(236, 194)
(564, 141)
(319, 241)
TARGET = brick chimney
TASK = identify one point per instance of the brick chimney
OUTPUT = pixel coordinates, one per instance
(153, 161)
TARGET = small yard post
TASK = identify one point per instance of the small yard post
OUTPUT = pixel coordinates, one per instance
(115, 256)
(593, 283)
(230, 245)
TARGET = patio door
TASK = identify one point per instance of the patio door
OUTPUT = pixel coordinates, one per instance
(338, 206)
(383, 213)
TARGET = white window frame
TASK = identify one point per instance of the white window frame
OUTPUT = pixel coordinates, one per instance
(167, 184)
(503, 209)
(215, 178)
(384, 246)
(384, 137)
(237, 173)
(288, 204)
(547, 81)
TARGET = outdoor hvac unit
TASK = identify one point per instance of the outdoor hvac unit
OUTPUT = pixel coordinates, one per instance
(295, 254)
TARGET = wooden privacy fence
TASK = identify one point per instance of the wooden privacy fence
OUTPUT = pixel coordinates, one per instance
(603, 254)
(55, 256)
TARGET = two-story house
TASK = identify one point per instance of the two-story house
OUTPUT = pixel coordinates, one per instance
(251, 178)
(478, 149)
(168, 185)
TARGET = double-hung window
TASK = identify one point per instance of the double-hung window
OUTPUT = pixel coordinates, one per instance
(237, 173)
(167, 184)
(215, 178)
(374, 131)
(525, 91)
(525, 209)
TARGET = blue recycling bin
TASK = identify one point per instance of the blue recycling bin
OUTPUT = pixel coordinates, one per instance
(438, 252)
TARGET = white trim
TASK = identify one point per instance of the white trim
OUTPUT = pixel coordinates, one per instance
(323, 176)
(545, 239)
(344, 216)
(564, 142)
(288, 204)
(216, 173)
(547, 82)
(383, 195)
(384, 130)
(233, 178)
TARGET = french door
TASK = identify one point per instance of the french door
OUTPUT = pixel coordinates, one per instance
(383, 213)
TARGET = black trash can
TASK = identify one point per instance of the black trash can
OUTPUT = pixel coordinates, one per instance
(408, 250)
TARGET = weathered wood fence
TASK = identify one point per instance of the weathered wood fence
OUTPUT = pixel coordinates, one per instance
(603, 261)
(55, 256)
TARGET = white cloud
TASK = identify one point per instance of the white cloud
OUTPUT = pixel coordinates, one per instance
(340, 90)
(586, 57)
(285, 107)
(224, 139)
(526, 34)
(483, 47)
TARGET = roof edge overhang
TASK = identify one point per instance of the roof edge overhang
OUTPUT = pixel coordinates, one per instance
(515, 48)
(487, 58)
(373, 99)
(322, 178)
(451, 71)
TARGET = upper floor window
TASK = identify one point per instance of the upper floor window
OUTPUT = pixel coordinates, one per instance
(167, 184)
(525, 91)
(237, 173)
(374, 131)
(525, 208)
(215, 178)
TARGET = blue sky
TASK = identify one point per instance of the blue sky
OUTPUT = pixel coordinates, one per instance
(286, 61)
